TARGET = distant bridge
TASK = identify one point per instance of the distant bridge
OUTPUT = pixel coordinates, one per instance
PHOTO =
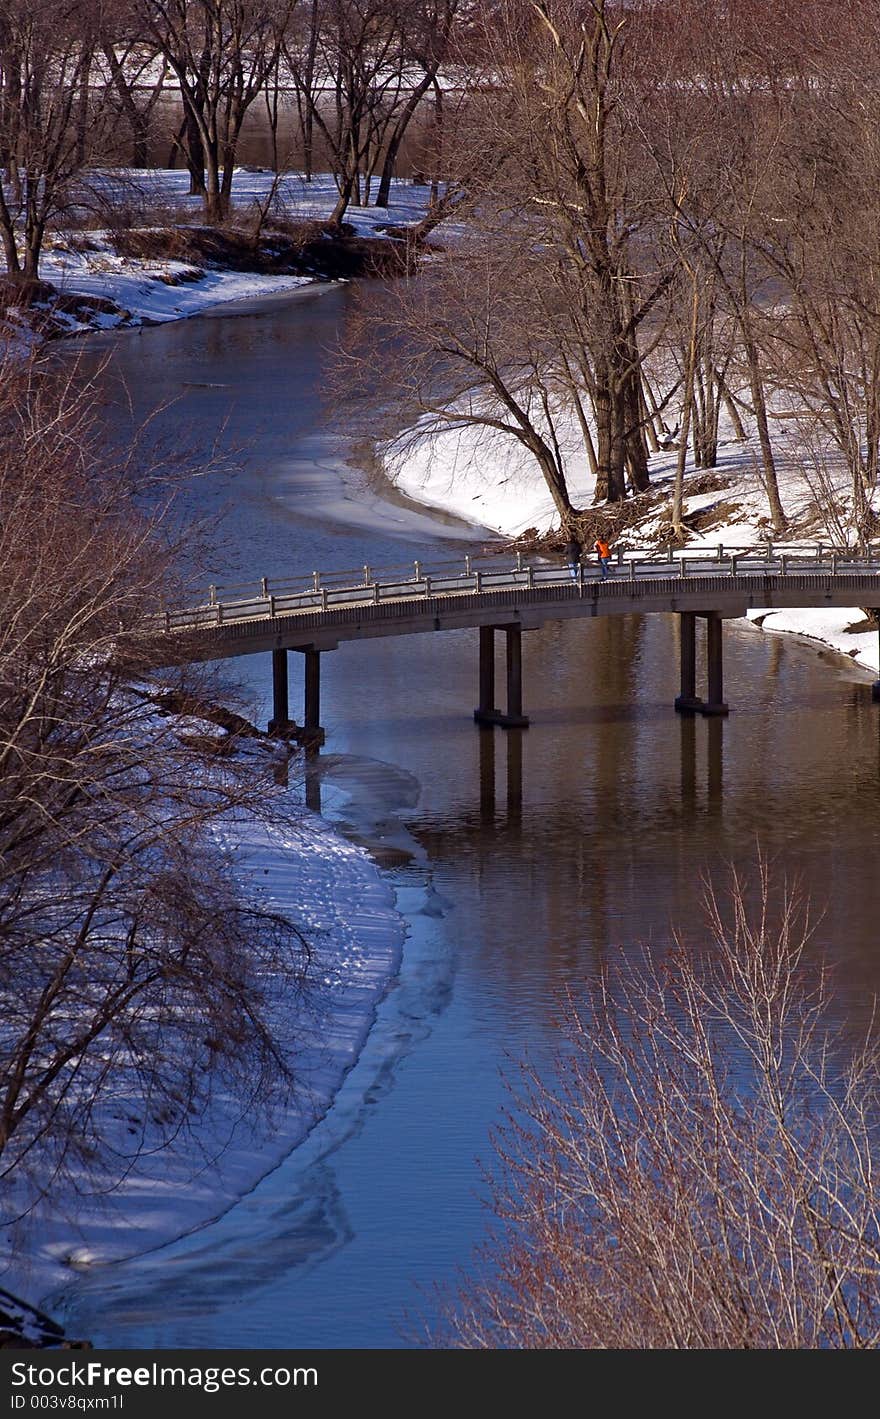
(316, 613)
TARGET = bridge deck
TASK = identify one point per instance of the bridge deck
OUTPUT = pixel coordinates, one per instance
(322, 613)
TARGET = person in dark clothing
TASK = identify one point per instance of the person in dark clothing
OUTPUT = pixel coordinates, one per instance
(573, 555)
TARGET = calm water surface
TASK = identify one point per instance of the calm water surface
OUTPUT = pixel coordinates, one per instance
(522, 861)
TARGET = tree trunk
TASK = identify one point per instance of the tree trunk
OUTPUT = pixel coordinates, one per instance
(603, 444)
(10, 248)
(739, 432)
(556, 484)
(33, 247)
(756, 386)
(397, 137)
(195, 157)
(437, 167)
(343, 201)
(636, 448)
(82, 112)
(687, 407)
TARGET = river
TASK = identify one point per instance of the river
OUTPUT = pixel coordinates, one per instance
(522, 861)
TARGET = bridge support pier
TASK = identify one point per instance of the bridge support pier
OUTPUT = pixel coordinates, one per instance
(688, 701)
(280, 722)
(715, 666)
(486, 713)
(311, 734)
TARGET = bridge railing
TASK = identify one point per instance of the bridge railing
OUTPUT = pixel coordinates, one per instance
(475, 574)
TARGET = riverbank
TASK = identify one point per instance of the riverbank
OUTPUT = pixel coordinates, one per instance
(135, 251)
(346, 910)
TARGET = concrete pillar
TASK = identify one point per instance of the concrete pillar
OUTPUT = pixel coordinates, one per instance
(514, 716)
(875, 688)
(714, 703)
(486, 713)
(486, 707)
(312, 731)
(280, 721)
(688, 702)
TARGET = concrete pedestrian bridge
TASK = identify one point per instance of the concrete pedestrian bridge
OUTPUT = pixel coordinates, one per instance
(318, 612)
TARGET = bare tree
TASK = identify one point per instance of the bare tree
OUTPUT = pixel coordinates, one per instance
(700, 1169)
(823, 337)
(426, 30)
(352, 64)
(132, 965)
(46, 54)
(221, 53)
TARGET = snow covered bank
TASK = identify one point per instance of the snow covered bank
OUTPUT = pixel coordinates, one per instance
(489, 477)
(331, 888)
(84, 261)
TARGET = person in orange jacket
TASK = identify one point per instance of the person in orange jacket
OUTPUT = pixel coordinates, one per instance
(603, 552)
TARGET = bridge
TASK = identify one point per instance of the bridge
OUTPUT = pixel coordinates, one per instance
(316, 613)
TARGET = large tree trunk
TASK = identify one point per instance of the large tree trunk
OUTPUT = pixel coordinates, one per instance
(636, 448)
